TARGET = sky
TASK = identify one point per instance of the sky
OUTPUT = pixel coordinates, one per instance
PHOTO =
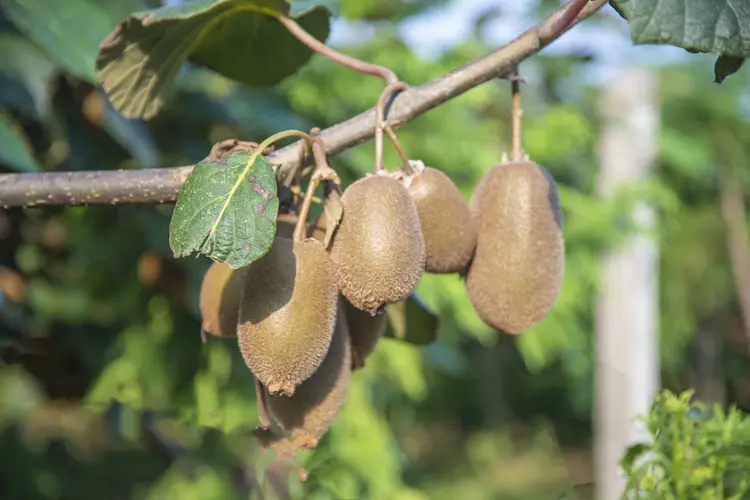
(434, 30)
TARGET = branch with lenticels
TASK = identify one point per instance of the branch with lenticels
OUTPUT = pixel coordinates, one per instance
(161, 185)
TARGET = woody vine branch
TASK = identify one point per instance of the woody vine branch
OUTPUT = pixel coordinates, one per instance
(157, 186)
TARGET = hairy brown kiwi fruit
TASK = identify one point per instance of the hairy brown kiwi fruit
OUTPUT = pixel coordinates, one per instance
(219, 298)
(364, 330)
(308, 414)
(445, 218)
(287, 314)
(517, 270)
(378, 250)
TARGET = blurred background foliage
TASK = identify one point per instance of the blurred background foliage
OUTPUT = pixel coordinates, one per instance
(107, 389)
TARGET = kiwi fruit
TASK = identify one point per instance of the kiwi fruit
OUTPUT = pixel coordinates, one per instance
(517, 270)
(219, 298)
(445, 218)
(378, 251)
(308, 414)
(364, 331)
(287, 314)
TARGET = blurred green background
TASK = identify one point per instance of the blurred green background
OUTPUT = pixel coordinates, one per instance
(107, 390)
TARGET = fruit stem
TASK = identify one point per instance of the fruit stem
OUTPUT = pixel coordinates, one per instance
(399, 148)
(322, 172)
(516, 152)
(389, 90)
(350, 62)
(277, 137)
(263, 414)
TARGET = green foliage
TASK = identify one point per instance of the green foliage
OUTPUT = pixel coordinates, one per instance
(241, 39)
(714, 26)
(14, 150)
(45, 22)
(694, 452)
(227, 210)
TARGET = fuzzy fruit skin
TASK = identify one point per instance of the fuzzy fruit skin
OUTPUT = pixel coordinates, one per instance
(445, 218)
(518, 266)
(287, 314)
(364, 330)
(378, 250)
(219, 299)
(308, 414)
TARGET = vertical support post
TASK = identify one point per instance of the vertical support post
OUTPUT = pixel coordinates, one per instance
(627, 314)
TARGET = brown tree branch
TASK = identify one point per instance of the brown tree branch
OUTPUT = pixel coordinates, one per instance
(153, 186)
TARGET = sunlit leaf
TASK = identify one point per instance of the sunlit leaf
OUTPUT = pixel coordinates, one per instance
(226, 210)
(68, 31)
(14, 150)
(138, 62)
(713, 26)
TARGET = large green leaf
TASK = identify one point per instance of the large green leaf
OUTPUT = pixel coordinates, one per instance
(14, 150)
(720, 27)
(226, 210)
(138, 62)
(69, 31)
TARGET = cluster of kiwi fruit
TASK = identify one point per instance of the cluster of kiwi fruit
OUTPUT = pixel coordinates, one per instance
(311, 310)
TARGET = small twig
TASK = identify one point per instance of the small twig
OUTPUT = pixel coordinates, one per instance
(322, 172)
(264, 417)
(317, 46)
(408, 170)
(161, 185)
(277, 137)
(387, 92)
(516, 150)
(563, 21)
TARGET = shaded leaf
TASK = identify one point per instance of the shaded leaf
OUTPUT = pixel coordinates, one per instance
(226, 210)
(725, 66)
(715, 26)
(131, 134)
(138, 62)
(69, 31)
(27, 73)
(14, 150)
(412, 322)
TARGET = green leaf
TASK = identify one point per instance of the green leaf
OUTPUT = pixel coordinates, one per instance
(725, 66)
(14, 150)
(226, 210)
(138, 62)
(412, 322)
(714, 26)
(69, 31)
(632, 454)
